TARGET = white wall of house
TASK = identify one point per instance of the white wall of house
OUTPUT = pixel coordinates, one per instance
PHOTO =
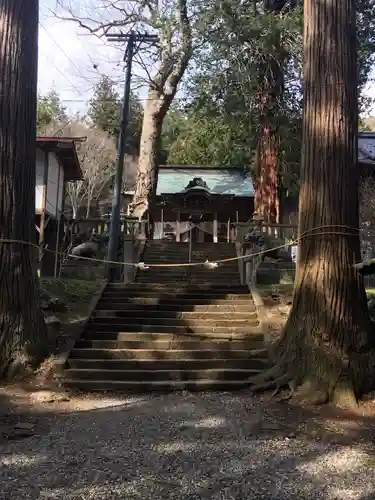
(55, 184)
(39, 167)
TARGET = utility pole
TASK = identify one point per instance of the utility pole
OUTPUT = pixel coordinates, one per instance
(114, 233)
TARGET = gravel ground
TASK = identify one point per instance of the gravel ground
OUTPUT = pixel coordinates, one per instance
(181, 446)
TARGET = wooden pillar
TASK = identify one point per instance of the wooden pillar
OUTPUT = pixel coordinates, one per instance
(59, 217)
(215, 228)
(228, 230)
(162, 223)
(236, 231)
(178, 227)
(44, 205)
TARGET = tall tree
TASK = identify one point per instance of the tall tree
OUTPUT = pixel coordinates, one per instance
(50, 112)
(270, 71)
(327, 347)
(105, 109)
(232, 92)
(22, 329)
(97, 155)
(164, 66)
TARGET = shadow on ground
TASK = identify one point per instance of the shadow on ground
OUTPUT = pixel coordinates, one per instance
(187, 446)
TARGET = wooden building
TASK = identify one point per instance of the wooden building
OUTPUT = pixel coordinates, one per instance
(366, 153)
(201, 203)
(56, 164)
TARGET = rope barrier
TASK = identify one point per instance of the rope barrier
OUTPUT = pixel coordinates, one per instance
(209, 264)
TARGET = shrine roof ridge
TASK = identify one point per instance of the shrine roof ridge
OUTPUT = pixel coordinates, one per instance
(174, 179)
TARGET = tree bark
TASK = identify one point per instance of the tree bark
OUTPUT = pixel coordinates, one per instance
(161, 93)
(327, 347)
(266, 201)
(147, 165)
(23, 337)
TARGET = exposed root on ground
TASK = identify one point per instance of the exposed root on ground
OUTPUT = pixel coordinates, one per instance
(278, 384)
(266, 376)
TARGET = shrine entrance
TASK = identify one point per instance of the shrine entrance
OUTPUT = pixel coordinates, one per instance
(198, 227)
(196, 213)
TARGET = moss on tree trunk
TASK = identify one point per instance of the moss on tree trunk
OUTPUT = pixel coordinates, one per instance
(326, 352)
(22, 329)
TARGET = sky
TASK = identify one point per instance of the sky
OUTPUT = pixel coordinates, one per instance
(67, 55)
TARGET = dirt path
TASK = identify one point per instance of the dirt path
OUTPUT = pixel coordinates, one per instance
(182, 445)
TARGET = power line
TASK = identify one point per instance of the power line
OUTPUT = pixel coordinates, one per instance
(65, 54)
(64, 75)
(131, 49)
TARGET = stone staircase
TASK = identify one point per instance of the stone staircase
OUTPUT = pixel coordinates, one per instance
(173, 328)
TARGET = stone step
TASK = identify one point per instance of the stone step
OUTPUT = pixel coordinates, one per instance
(151, 276)
(134, 323)
(218, 315)
(178, 306)
(190, 281)
(154, 385)
(187, 290)
(147, 337)
(179, 364)
(146, 375)
(167, 333)
(133, 349)
(173, 301)
(169, 291)
(196, 257)
(135, 286)
(182, 297)
(203, 276)
(201, 271)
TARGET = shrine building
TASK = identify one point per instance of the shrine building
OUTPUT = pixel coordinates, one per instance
(201, 203)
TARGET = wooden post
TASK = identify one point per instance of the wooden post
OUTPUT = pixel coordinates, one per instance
(215, 228)
(44, 207)
(178, 227)
(228, 230)
(162, 223)
(58, 215)
(236, 230)
(190, 245)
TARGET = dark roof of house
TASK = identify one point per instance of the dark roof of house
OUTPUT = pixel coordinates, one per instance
(173, 179)
(66, 152)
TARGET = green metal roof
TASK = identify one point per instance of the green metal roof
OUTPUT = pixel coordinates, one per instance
(174, 179)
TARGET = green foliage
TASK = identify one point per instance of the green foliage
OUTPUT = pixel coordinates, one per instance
(105, 112)
(224, 113)
(367, 124)
(50, 111)
(223, 117)
(208, 140)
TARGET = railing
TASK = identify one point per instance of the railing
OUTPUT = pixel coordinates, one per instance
(275, 231)
(84, 228)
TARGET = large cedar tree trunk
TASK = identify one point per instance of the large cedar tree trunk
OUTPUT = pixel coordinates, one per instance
(326, 350)
(271, 82)
(22, 328)
(266, 202)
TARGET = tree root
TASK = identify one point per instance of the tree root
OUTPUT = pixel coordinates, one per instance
(309, 393)
(277, 384)
(270, 374)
